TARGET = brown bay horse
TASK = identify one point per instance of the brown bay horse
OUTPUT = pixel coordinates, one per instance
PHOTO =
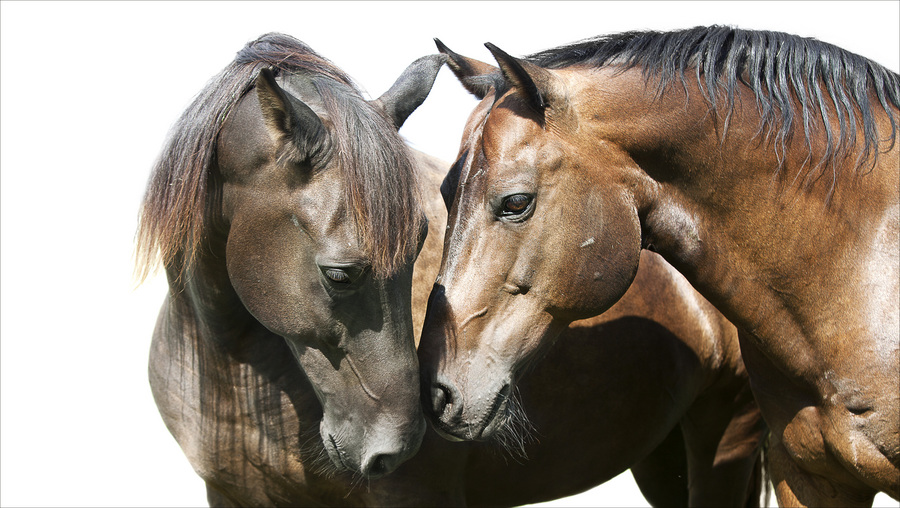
(763, 166)
(282, 361)
(661, 362)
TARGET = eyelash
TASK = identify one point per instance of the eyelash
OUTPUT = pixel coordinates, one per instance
(337, 275)
(516, 207)
(344, 278)
(519, 202)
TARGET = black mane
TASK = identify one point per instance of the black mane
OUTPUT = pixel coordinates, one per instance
(780, 68)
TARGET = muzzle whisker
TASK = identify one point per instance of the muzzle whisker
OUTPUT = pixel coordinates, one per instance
(518, 431)
(315, 457)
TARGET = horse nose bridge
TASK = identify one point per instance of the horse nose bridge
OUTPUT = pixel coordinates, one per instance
(438, 332)
(450, 318)
(378, 371)
(463, 283)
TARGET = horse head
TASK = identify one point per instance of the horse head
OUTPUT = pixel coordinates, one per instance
(528, 247)
(319, 259)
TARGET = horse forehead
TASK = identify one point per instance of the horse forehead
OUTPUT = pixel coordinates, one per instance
(511, 142)
(504, 130)
(323, 207)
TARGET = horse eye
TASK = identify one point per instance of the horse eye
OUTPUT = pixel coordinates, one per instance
(515, 204)
(337, 275)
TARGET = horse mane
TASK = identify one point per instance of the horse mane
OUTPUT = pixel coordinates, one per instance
(182, 201)
(781, 69)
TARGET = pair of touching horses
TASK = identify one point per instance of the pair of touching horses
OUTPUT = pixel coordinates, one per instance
(596, 186)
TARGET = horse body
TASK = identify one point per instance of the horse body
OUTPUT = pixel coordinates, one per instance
(285, 316)
(780, 207)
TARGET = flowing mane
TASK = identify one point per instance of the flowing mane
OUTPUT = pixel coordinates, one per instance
(182, 199)
(782, 70)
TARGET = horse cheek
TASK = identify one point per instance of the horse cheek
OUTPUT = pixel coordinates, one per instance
(610, 252)
(268, 276)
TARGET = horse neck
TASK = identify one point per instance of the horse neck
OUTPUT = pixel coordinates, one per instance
(210, 362)
(772, 255)
(202, 323)
(203, 294)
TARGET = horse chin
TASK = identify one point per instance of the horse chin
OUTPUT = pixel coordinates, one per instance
(447, 433)
(471, 433)
(497, 424)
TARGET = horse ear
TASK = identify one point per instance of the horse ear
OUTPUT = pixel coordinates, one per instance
(467, 70)
(286, 116)
(410, 89)
(540, 88)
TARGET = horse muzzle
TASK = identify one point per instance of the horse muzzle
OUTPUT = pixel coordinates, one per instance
(457, 419)
(377, 456)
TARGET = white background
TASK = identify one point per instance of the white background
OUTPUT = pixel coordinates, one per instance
(89, 91)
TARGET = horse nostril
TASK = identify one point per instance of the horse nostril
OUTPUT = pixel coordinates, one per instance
(380, 465)
(441, 399)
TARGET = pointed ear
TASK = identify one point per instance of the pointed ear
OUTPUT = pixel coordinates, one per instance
(468, 70)
(287, 117)
(538, 86)
(410, 89)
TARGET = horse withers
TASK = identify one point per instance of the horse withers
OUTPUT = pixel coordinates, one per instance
(763, 166)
